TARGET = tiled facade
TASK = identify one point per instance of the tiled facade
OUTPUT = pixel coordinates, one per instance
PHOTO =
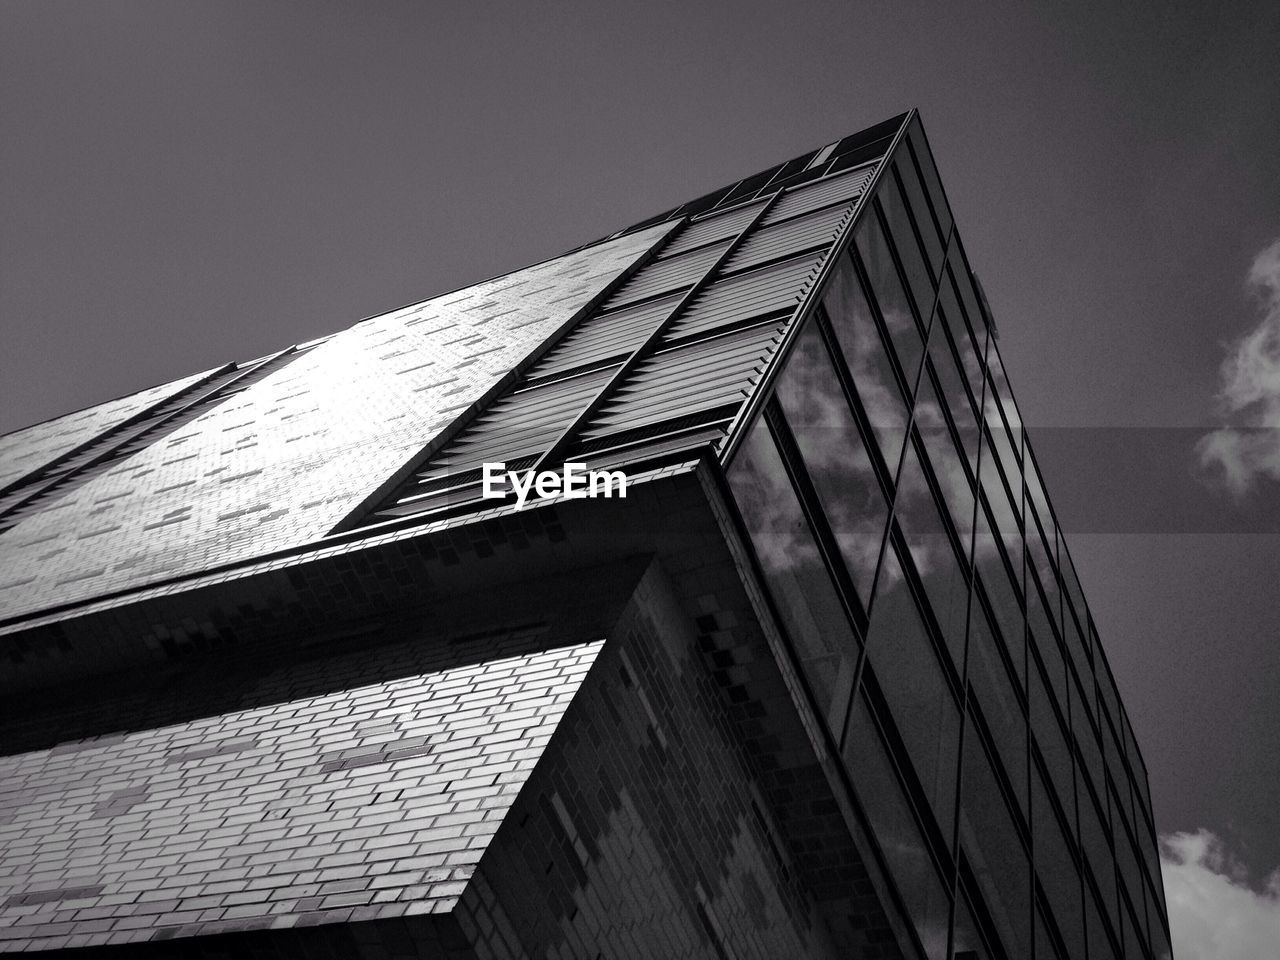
(281, 463)
(385, 794)
(31, 448)
(279, 682)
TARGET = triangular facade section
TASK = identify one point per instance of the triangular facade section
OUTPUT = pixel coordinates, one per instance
(667, 364)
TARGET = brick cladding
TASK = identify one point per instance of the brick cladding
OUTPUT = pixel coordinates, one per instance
(646, 831)
(30, 448)
(369, 802)
(283, 462)
(706, 674)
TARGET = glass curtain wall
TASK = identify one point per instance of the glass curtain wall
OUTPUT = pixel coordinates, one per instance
(901, 524)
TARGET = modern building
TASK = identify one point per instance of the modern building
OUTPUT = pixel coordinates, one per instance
(289, 669)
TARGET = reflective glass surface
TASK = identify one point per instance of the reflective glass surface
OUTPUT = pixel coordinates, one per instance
(1090, 753)
(1095, 841)
(1071, 586)
(1001, 474)
(1046, 949)
(912, 680)
(997, 585)
(896, 832)
(1045, 643)
(812, 615)
(867, 359)
(1160, 947)
(966, 941)
(969, 350)
(951, 392)
(932, 554)
(1038, 507)
(924, 162)
(998, 387)
(1040, 564)
(1079, 660)
(905, 170)
(895, 403)
(994, 850)
(993, 690)
(891, 298)
(1099, 942)
(1129, 934)
(914, 266)
(1054, 864)
(932, 423)
(1049, 736)
(1131, 874)
(835, 456)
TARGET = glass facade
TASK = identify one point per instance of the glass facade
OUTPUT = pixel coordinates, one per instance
(903, 530)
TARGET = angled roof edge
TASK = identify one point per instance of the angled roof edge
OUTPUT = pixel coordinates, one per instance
(771, 178)
(760, 392)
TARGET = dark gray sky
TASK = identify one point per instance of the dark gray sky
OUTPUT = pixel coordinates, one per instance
(183, 184)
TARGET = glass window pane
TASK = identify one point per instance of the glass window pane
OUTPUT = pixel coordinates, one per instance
(995, 851)
(1000, 384)
(1153, 912)
(1056, 868)
(1099, 942)
(1124, 785)
(1038, 500)
(1130, 873)
(1050, 739)
(1005, 513)
(966, 287)
(1136, 763)
(953, 392)
(1045, 643)
(914, 267)
(920, 213)
(1118, 779)
(1151, 860)
(1005, 464)
(967, 349)
(798, 580)
(1107, 694)
(1046, 948)
(1095, 840)
(944, 459)
(1071, 585)
(932, 553)
(911, 677)
(1132, 941)
(896, 831)
(891, 298)
(929, 173)
(1160, 947)
(996, 580)
(867, 358)
(966, 941)
(1079, 659)
(1091, 752)
(835, 457)
(1039, 561)
(992, 688)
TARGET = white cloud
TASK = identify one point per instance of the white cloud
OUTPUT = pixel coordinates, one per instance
(1248, 447)
(1213, 912)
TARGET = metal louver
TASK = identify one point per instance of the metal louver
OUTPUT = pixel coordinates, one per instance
(667, 361)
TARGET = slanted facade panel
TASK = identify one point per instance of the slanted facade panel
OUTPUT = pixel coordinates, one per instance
(282, 463)
(31, 448)
(269, 814)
